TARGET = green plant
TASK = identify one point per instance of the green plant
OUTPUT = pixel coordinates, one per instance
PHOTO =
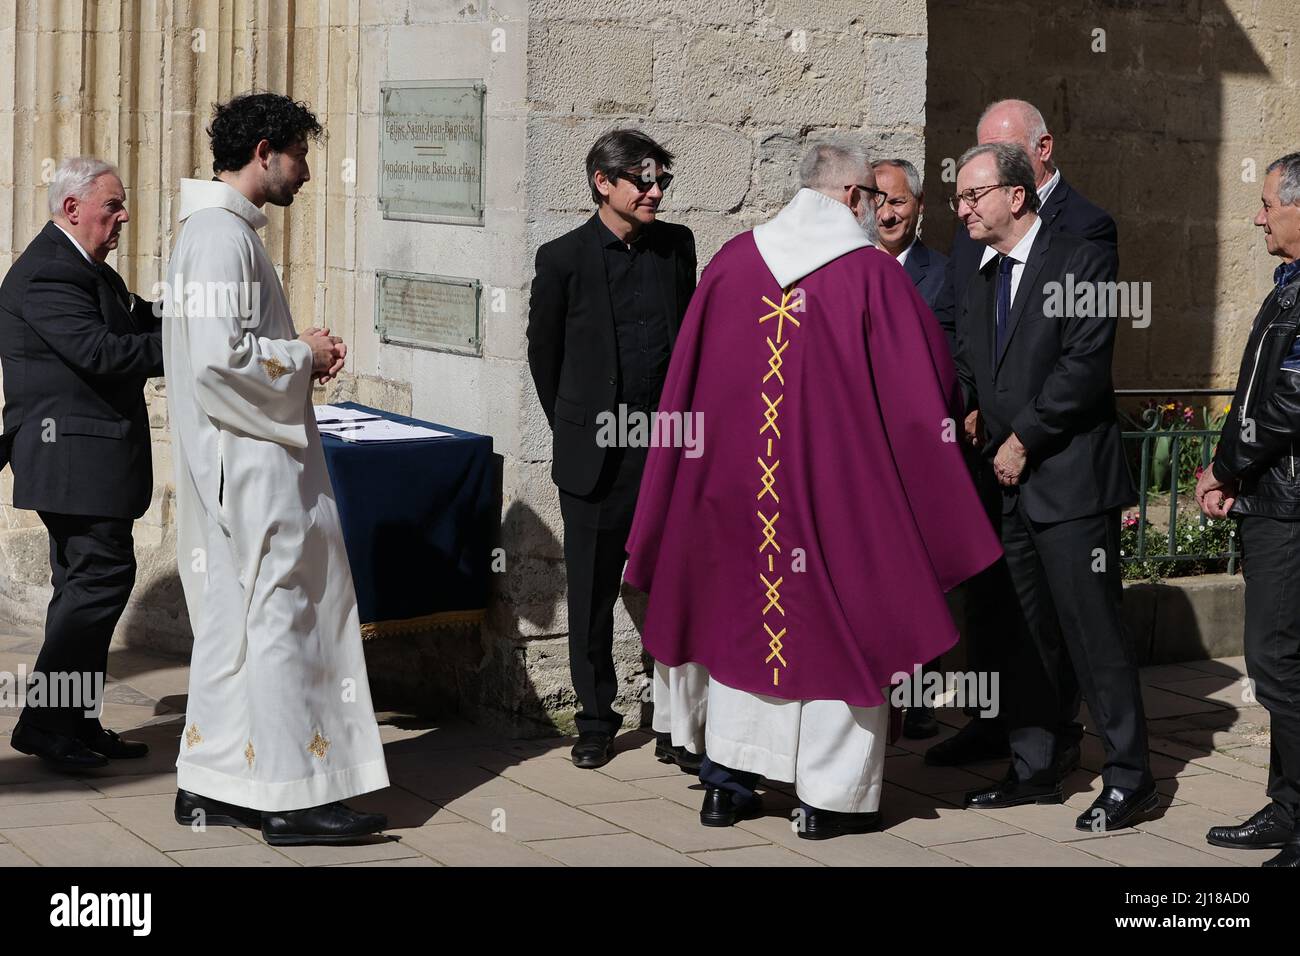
(1210, 540)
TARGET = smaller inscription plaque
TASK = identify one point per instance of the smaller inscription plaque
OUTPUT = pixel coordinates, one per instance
(428, 312)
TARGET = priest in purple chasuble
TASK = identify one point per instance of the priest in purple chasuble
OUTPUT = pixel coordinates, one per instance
(797, 558)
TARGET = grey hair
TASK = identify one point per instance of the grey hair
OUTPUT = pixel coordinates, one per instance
(1289, 193)
(74, 177)
(1035, 125)
(912, 174)
(1013, 167)
(826, 165)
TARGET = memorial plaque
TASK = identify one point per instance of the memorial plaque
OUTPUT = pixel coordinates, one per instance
(429, 312)
(431, 151)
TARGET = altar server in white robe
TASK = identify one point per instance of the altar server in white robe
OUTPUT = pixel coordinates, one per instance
(279, 724)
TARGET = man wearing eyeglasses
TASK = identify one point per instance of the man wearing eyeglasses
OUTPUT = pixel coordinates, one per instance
(607, 300)
(1038, 385)
(1062, 209)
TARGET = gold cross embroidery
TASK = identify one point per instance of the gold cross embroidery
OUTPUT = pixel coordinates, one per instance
(780, 312)
(773, 594)
(275, 368)
(769, 531)
(775, 644)
(768, 479)
(775, 362)
(318, 746)
(770, 413)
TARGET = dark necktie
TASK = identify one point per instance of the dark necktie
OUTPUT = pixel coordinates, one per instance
(1005, 265)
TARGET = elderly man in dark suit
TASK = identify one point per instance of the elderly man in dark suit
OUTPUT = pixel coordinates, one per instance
(607, 300)
(1064, 210)
(1036, 380)
(898, 221)
(76, 348)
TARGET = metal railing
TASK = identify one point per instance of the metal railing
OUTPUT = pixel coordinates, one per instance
(1150, 434)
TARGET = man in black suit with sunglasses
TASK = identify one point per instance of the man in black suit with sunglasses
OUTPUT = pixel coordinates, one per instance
(607, 301)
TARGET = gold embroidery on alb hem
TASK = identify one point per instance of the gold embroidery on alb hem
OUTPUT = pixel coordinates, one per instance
(192, 737)
(318, 746)
(249, 754)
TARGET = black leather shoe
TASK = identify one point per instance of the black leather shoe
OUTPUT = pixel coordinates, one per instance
(919, 723)
(330, 823)
(107, 743)
(1118, 807)
(978, 740)
(825, 824)
(1263, 831)
(191, 808)
(58, 750)
(720, 808)
(591, 750)
(1290, 855)
(1014, 792)
(665, 752)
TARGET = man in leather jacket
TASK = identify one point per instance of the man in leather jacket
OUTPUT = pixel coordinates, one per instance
(1254, 479)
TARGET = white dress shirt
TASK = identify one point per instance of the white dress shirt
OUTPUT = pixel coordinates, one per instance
(1047, 187)
(902, 256)
(76, 245)
(1018, 254)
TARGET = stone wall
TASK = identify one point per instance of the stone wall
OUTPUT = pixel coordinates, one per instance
(737, 88)
(1169, 128)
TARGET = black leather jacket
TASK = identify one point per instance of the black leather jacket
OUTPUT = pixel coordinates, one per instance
(1261, 436)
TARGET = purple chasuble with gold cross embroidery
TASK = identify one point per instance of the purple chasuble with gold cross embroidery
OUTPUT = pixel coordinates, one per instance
(801, 547)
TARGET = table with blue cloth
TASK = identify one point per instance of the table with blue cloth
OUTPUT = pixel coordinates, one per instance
(418, 521)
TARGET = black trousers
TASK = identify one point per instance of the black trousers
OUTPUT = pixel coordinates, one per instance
(596, 527)
(992, 613)
(92, 565)
(1068, 580)
(1271, 567)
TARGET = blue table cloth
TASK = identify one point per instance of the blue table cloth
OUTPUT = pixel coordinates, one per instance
(418, 521)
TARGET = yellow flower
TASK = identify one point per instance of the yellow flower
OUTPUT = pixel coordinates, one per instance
(1227, 408)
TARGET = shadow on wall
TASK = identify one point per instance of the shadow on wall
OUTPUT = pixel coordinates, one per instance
(1146, 129)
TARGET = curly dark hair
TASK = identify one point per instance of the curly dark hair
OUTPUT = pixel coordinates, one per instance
(239, 125)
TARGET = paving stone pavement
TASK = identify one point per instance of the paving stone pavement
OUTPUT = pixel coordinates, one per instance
(462, 795)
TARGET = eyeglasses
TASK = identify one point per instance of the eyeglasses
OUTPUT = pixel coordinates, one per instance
(972, 196)
(877, 196)
(642, 181)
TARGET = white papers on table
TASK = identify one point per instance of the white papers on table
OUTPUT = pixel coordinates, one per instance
(336, 414)
(379, 429)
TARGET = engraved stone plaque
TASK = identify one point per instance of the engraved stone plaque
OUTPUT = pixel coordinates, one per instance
(430, 312)
(431, 151)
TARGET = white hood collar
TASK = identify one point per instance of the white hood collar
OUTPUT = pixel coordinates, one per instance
(199, 194)
(809, 232)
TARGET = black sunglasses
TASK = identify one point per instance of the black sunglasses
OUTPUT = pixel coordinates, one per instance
(641, 181)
